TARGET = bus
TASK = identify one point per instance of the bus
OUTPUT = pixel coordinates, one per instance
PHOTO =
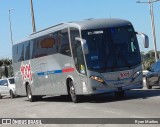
(89, 57)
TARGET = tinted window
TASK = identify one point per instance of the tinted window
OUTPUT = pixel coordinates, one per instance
(15, 53)
(73, 34)
(27, 50)
(32, 50)
(53, 38)
(45, 45)
(63, 42)
(20, 52)
(80, 64)
(111, 48)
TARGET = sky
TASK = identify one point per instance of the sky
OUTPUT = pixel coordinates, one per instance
(51, 12)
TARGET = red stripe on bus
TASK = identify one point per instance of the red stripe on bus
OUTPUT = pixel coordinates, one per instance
(68, 70)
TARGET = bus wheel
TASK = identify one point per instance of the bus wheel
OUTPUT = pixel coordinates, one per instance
(29, 94)
(72, 92)
(120, 93)
(11, 94)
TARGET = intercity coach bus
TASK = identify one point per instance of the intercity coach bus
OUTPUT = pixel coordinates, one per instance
(89, 57)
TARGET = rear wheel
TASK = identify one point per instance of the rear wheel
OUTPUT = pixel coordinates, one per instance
(72, 92)
(31, 98)
(11, 94)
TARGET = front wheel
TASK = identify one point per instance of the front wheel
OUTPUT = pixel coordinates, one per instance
(11, 94)
(74, 97)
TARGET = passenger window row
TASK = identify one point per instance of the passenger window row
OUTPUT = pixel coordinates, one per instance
(49, 44)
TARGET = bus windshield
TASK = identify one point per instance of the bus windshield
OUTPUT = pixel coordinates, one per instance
(112, 48)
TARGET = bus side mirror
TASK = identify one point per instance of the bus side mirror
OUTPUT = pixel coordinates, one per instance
(84, 45)
(145, 39)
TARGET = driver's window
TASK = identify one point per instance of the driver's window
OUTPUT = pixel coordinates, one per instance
(80, 64)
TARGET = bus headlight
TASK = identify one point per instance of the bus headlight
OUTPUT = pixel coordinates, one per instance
(97, 78)
(136, 74)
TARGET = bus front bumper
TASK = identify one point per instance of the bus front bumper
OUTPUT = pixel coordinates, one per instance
(104, 89)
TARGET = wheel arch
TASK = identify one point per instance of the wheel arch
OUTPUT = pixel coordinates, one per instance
(69, 78)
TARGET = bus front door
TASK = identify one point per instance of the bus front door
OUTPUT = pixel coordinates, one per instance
(80, 65)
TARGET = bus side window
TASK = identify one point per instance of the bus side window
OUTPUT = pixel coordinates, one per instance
(34, 49)
(15, 53)
(31, 49)
(63, 42)
(53, 49)
(27, 50)
(80, 64)
(47, 45)
(20, 52)
(74, 32)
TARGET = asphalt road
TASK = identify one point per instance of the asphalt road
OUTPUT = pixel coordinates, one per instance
(141, 103)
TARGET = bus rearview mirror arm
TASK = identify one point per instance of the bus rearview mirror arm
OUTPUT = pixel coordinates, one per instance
(145, 39)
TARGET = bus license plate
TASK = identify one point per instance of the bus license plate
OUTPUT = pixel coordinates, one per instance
(119, 84)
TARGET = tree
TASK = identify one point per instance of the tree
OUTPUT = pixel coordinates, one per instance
(6, 68)
(148, 58)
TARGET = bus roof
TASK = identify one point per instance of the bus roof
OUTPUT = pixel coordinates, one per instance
(101, 23)
(83, 25)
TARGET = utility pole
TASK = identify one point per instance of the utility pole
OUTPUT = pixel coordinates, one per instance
(10, 25)
(150, 2)
(32, 15)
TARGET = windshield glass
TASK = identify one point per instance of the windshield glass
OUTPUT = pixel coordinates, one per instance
(112, 48)
(11, 81)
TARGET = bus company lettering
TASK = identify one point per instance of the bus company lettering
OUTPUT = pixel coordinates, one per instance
(26, 72)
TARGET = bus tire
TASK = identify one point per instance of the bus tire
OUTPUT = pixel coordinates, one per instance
(72, 92)
(11, 94)
(29, 94)
(119, 93)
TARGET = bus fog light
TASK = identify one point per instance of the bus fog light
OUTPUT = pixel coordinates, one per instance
(98, 79)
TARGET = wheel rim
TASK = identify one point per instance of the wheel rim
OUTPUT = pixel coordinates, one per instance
(72, 91)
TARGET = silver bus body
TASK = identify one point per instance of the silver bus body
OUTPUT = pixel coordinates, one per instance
(50, 73)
